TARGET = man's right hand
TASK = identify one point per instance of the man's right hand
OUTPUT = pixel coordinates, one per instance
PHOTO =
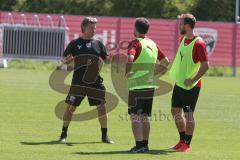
(68, 59)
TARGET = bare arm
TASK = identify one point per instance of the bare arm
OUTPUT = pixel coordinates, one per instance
(162, 66)
(203, 69)
(129, 65)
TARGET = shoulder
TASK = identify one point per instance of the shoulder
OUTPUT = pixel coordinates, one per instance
(135, 42)
(98, 41)
(74, 41)
(180, 38)
(200, 42)
(149, 39)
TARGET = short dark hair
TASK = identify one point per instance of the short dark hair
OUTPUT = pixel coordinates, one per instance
(142, 25)
(188, 19)
(88, 20)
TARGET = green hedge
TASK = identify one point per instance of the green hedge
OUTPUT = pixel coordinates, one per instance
(50, 65)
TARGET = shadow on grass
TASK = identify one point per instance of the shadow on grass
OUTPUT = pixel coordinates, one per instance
(152, 152)
(56, 143)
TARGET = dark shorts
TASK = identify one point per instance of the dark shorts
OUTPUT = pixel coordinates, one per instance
(185, 99)
(95, 94)
(140, 102)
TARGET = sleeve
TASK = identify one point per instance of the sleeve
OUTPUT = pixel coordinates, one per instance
(161, 55)
(180, 39)
(134, 49)
(104, 52)
(68, 50)
(201, 52)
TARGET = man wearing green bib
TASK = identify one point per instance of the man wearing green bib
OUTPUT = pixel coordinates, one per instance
(189, 65)
(146, 60)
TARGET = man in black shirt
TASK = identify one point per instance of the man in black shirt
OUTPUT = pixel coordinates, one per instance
(86, 52)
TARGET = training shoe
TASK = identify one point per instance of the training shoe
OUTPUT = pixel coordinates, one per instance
(62, 138)
(137, 150)
(178, 145)
(107, 140)
(184, 148)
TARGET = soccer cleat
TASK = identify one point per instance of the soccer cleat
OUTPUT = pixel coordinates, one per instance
(62, 138)
(107, 140)
(184, 148)
(178, 145)
(137, 150)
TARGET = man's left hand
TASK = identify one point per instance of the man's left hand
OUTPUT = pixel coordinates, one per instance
(188, 82)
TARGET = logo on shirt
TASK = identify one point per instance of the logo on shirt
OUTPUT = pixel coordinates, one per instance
(88, 45)
(209, 36)
(181, 55)
(149, 48)
(72, 99)
(79, 46)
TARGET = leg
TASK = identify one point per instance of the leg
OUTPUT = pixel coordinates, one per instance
(190, 101)
(147, 111)
(190, 122)
(72, 102)
(140, 123)
(67, 117)
(177, 112)
(190, 126)
(137, 127)
(145, 127)
(145, 131)
(179, 119)
(134, 105)
(99, 102)
(102, 115)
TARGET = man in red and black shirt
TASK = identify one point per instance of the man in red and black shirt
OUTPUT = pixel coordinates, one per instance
(145, 53)
(185, 93)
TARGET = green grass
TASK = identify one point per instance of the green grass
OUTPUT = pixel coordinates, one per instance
(28, 123)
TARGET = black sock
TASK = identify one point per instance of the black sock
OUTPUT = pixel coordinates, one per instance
(139, 144)
(182, 136)
(145, 143)
(64, 132)
(104, 133)
(64, 129)
(188, 139)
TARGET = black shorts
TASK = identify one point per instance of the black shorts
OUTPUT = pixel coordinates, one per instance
(140, 102)
(186, 99)
(95, 94)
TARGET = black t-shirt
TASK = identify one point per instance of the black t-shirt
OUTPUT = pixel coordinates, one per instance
(87, 54)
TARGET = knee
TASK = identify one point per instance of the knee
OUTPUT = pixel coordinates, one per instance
(176, 112)
(145, 119)
(102, 110)
(173, 111)
(135, 118)
(71, 109)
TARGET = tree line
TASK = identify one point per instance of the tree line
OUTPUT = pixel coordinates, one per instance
(205, 10)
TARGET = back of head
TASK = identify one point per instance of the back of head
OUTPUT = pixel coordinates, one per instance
(142, 25)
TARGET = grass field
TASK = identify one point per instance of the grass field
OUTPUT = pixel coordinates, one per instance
(29, 127)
